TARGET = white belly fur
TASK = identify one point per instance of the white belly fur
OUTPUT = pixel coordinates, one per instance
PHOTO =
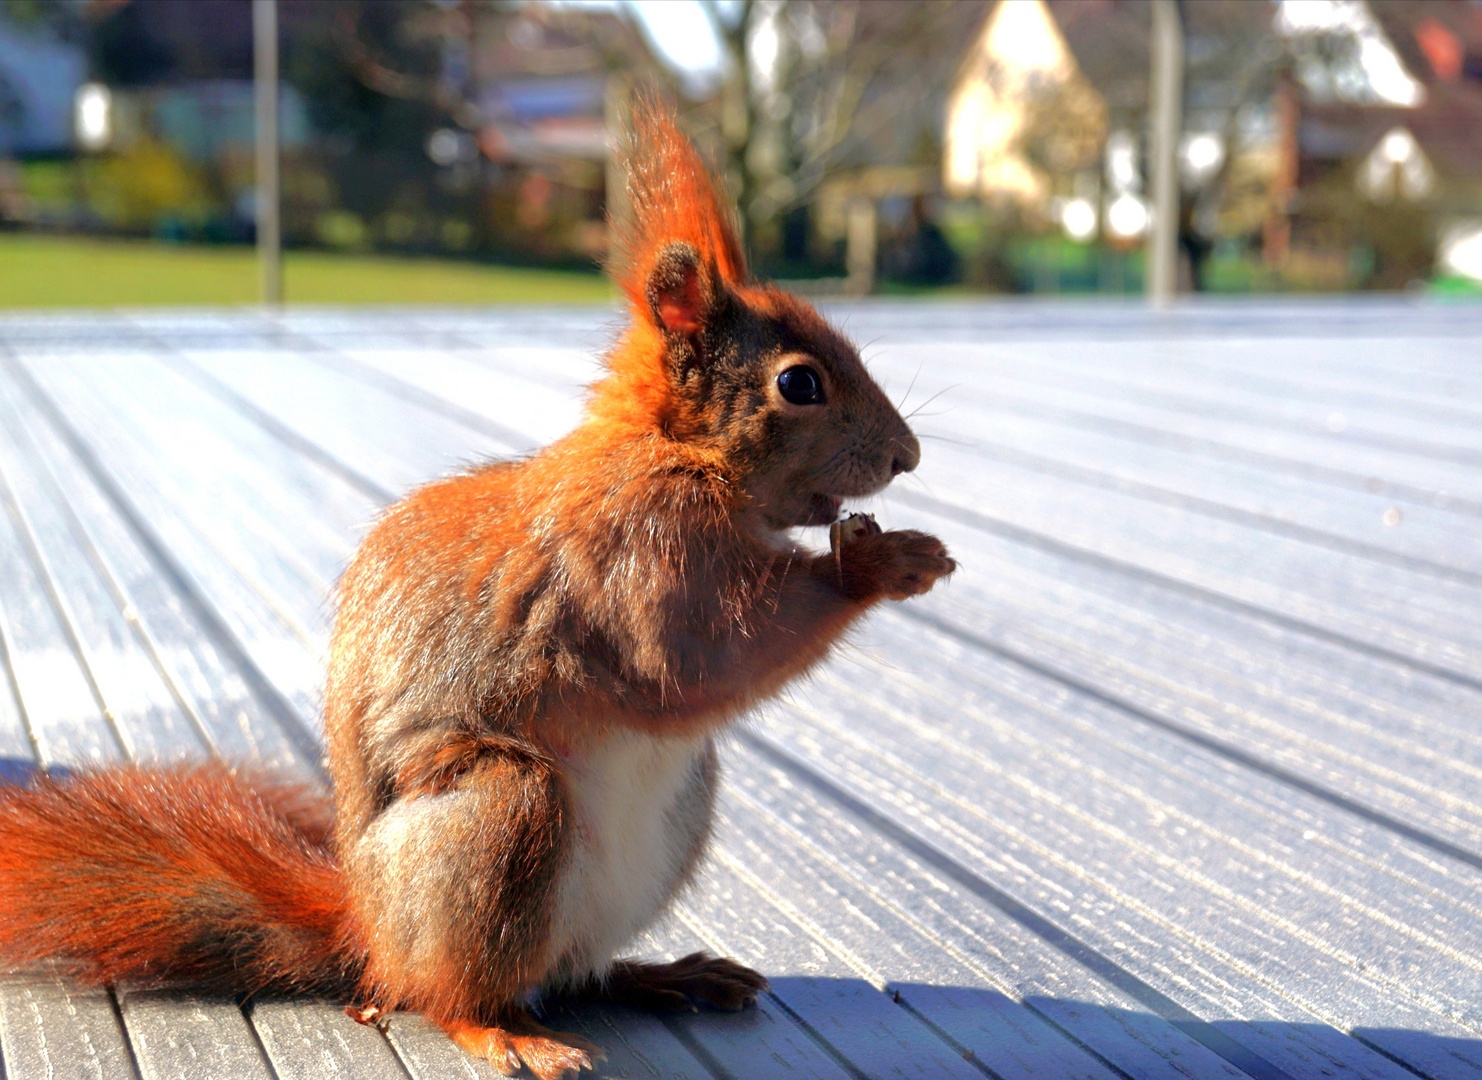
(628, 851)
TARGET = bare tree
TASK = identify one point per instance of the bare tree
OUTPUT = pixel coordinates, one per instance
(812, 86)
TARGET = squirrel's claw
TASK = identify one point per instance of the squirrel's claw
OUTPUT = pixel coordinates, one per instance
(370, 1015)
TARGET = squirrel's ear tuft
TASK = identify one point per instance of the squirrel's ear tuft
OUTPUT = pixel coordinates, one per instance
(673, 201)
(679, 290)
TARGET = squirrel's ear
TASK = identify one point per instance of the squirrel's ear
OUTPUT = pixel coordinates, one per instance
(680, 290)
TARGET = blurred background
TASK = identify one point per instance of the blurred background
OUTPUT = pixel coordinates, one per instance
(459, 150)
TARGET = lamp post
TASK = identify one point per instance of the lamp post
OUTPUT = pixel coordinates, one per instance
(1167, 101)
(265, 94)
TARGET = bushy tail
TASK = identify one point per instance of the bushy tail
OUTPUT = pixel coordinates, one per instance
(186, 874)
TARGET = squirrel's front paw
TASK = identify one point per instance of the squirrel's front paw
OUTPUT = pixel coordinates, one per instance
(893, 565)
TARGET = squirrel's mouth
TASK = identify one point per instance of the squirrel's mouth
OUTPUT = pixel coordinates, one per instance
(823, 509)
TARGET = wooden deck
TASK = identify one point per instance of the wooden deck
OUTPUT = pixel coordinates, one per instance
(1179, 777)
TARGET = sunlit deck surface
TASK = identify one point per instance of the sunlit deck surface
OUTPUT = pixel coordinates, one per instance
(1181, 775)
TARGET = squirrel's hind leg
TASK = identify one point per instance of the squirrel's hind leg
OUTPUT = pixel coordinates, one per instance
(519, 1040)
(675, 987)
(454, 888)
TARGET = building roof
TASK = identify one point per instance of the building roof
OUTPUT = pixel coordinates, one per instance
(1440, 45)
(541, 80)
(1110, 41)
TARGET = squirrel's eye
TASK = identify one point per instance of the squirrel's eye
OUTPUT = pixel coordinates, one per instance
(801, 385)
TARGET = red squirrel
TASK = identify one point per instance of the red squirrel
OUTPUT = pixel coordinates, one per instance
(530, 664)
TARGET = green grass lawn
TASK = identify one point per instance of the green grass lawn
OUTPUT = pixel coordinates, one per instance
(44, 271)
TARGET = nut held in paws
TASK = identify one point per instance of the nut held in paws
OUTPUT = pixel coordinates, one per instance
(846, 529)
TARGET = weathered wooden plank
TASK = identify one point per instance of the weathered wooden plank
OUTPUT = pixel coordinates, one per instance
(412, 392)
(1075, 321)
(428, 1054)
(1097, 616)
(1337, 400)
(564, 371)
(217, 466)
(637, 1044)
(1424, 538)
(1297, 897)
(1395, 738)
(182, 1036)
(63, 716)
(584, 326)
(1322, 457)
(162, 326)
(1262, 384)
(1252, 1050)
(17, 744)
(199, 471)
(169, 383)
(330, 508)
(824, 976)
(262, 632)
(48, 1029)
(17, 754)
(1386, 607)
(234, 721)
(760, 1043)
(952, 683)
(315, 1040)
(525, 386)
(1072, 870)
(998, 1033)
(397, 444)
(917, 929)
(835, 980)
(1436, 381)
(140, 705)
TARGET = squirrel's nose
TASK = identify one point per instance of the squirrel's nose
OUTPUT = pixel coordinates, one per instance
(907, 454)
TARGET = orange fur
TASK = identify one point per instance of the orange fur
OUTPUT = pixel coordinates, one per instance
(672, 197)
(183, 875)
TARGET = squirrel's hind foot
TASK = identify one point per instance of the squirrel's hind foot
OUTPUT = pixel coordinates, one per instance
(675, 987)
(520, 1041)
